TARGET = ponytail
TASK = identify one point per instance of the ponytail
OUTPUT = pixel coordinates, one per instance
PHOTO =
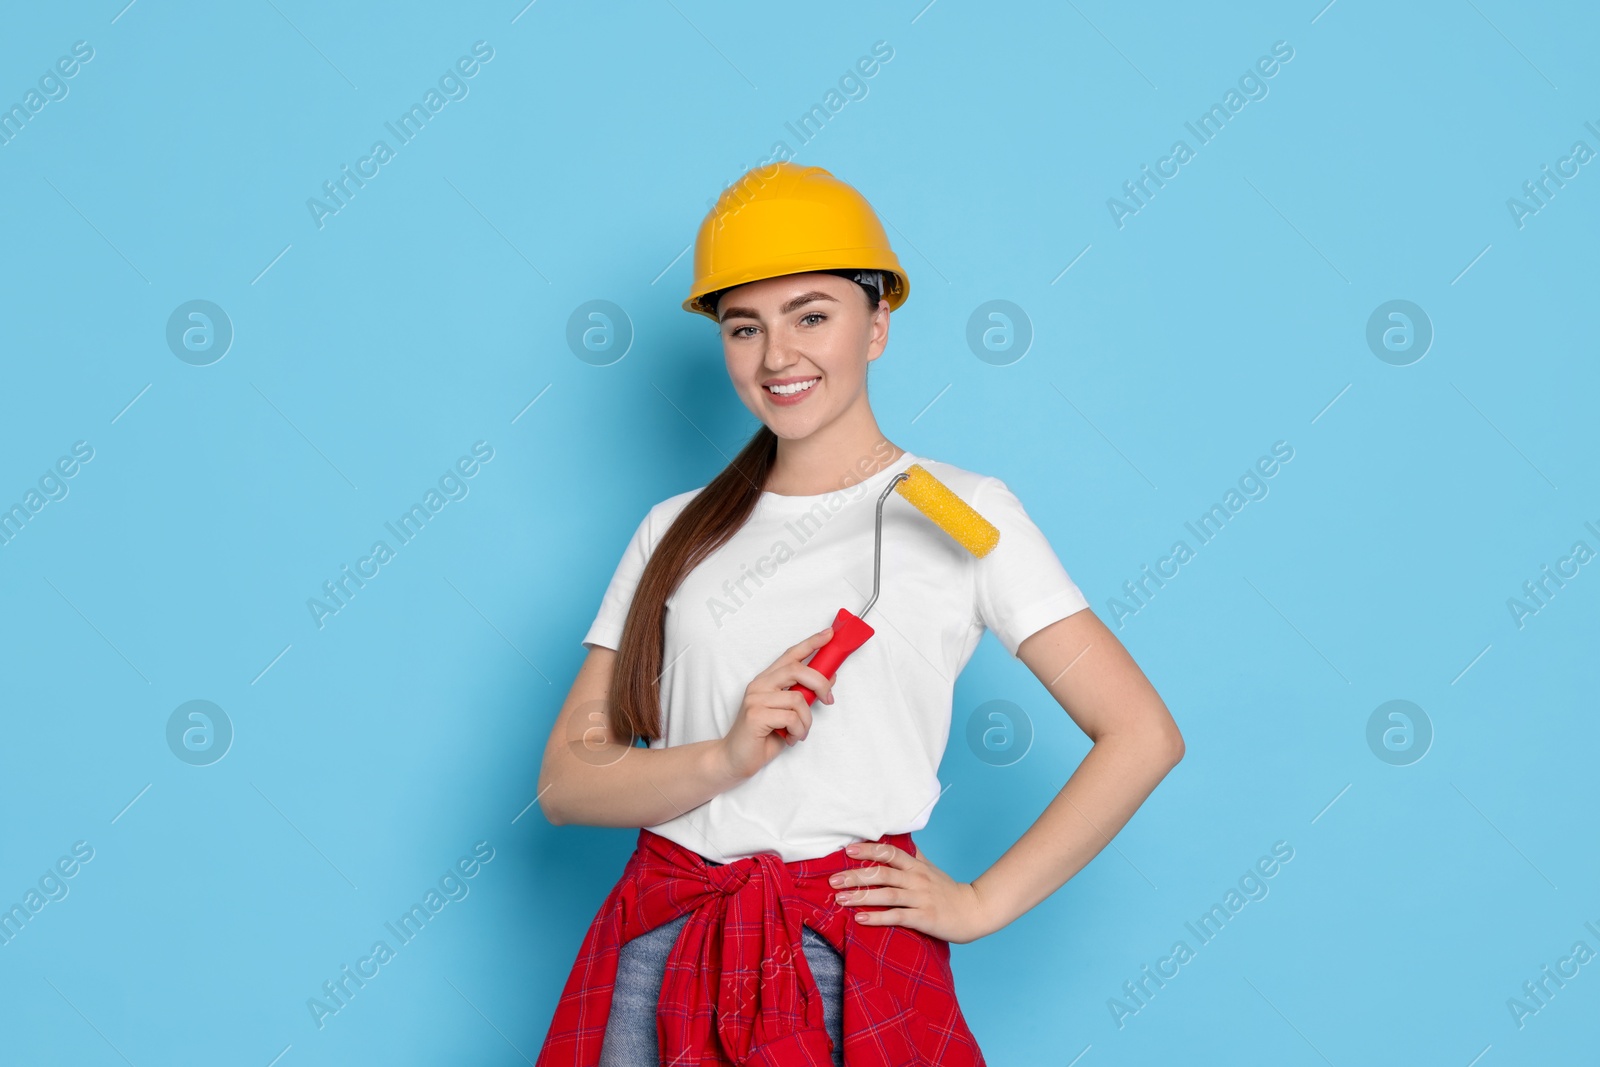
(714, 515)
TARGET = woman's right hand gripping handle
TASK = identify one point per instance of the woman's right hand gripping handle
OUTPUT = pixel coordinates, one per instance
(770, 704)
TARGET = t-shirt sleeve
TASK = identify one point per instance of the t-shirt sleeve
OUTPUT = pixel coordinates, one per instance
(606, 630)
(1021, 585)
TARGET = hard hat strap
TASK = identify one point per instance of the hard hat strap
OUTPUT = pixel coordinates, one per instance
(871, 280)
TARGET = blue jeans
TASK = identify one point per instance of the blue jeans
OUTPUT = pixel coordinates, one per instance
(631, 1027)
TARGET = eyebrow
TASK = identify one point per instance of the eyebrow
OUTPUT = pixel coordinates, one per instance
(751, 313)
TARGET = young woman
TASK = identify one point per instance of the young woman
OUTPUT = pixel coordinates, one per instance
(776, 910)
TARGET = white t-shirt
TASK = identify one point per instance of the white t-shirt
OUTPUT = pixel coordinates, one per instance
(870, 764)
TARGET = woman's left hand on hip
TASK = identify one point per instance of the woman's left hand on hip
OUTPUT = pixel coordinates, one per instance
(911, 891)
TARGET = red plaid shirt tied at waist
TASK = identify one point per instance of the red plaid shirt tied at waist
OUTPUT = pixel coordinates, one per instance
(737, 989)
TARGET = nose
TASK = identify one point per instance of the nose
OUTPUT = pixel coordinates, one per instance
(780, 355)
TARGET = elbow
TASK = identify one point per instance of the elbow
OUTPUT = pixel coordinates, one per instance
(545, 798)
(1160, 748)
(1166, 738)
(1175, 749)
(1170, 744)
(1158, 744)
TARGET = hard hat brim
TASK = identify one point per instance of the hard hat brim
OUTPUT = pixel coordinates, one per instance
(896, 290)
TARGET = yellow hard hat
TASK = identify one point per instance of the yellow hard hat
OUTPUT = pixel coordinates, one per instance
(788, 219)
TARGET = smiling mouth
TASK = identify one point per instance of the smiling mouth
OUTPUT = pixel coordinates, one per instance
(792, 389)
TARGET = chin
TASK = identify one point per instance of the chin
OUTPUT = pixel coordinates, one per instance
(791, 431)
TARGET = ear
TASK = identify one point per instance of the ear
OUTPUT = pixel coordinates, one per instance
(878, 337)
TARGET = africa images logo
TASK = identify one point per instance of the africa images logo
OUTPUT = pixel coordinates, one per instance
(452, 485)
(452, 85)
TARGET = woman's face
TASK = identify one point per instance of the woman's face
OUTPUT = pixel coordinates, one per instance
(814, 331)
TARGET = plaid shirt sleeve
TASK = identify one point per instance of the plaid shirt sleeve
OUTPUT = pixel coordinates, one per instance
(737, 989)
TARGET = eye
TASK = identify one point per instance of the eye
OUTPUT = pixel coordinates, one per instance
(735, 331)
(813, 315)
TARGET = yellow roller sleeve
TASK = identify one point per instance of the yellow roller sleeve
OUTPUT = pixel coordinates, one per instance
(949, 512)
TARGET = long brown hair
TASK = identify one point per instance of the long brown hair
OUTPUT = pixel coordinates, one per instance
(714, 515)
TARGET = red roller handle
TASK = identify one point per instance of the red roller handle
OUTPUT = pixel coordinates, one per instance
(849, 634)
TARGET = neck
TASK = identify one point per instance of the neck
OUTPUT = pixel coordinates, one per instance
(836, 457)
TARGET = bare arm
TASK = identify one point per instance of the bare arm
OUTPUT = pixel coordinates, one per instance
(589, 777)
(1136, 743)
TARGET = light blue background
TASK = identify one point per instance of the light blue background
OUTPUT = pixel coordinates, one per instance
(1228, 314)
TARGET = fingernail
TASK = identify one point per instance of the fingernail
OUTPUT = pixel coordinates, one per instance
(837, 879)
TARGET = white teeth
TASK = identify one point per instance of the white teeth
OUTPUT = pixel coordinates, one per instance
(796, 387)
